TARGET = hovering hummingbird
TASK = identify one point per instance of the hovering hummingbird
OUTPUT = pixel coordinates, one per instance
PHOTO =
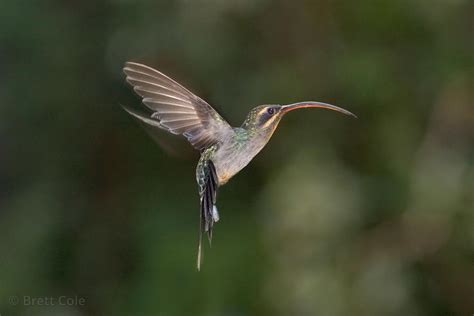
(225, 150)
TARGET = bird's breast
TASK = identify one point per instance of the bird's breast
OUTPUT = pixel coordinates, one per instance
(230, 159)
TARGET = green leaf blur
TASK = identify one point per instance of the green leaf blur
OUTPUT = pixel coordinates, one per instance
(336, 216)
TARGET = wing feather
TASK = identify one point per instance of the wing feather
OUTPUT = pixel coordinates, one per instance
(152, 84)
(152, 92)
(175, 108)
(156, 77)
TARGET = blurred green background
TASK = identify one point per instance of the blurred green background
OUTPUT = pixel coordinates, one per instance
(336, 216)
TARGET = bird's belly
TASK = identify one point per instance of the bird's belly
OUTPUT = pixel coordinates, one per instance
(226, 170)
(229, 161)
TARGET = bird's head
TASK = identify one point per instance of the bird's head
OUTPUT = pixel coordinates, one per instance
(265, 118)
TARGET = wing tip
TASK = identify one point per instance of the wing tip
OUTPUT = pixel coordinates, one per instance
(132, 63)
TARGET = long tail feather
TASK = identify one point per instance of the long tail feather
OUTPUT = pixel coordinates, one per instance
(208, 210)
(199, 255)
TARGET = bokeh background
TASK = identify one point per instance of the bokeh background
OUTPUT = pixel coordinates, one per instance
(336, 216)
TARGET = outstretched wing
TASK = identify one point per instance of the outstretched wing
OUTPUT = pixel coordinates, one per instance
(174, 108)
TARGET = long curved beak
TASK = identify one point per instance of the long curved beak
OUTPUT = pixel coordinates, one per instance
(311, 104)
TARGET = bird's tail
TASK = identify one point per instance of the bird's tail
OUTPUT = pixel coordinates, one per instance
(209, 213)
(199, 256)
(206, 224)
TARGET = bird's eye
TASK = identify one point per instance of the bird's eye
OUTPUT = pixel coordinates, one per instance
(271, 111)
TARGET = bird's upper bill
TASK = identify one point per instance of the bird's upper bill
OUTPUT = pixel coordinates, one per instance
(311, 104)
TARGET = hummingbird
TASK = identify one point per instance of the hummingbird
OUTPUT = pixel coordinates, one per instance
(224, 150)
